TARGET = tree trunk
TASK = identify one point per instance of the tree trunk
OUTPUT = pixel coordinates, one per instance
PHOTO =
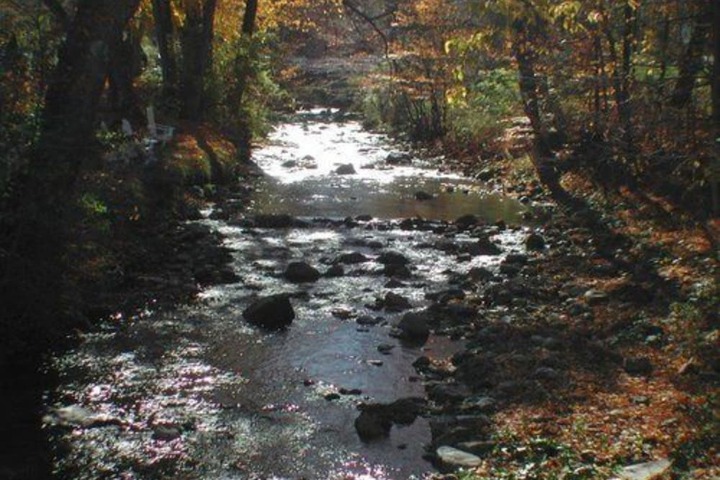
(690, 64)
(248, 25)
(126, 60)
(716, 65)
(715, 85)
(623, 95)
(197, 49)
(528, 83)
(530, 92)
(73, 96)
(244, 70)
(165, 34)
(244, 59)
(32, 279)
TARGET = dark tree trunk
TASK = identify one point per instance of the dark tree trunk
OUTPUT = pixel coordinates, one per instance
(716, 64)
(530, 92)
(623, 95)
(528, 83)
(244, 59)
(197, 49)
(33, 275)
(244, 70)
(690, 64)
(126, 63)
(248, 25)
(73, 96)
(165, 34)
(715, 85)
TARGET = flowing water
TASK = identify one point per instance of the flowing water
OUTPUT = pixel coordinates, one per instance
(198, 393)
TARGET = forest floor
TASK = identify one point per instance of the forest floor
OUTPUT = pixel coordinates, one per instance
(622, 341)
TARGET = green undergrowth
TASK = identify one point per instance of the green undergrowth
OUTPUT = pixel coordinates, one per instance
(116, 227)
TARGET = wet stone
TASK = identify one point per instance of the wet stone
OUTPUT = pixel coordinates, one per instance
(301, 272)
(398, 158)
(351, 258)
(467, 221)
(368, 320)
(275, 221)
(423, 196)
(396, 270)
(335, 271)
(350, 391)
(392, 258)
(447, 392)
(535, 241)
(394, 283)
(372, 426)
(413, 327)
(515, 259)
(346, 169)
(385, 348)
(395, 303)
(273, 312)
(480, 273)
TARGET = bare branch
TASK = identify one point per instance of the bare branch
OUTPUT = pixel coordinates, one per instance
(371, 21)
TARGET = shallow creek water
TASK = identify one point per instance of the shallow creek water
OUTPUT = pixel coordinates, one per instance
(198, 393)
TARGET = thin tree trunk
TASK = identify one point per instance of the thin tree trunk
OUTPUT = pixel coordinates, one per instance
(529, 88)
(715, 85)
(244, 59)
(248, 25)
(165, 34)
(197, 49)
(624, 106)
(244, 69)
(125, 65)
(716, 64)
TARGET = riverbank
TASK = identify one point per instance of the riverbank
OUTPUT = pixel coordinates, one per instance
(133, 253)
(600, 352)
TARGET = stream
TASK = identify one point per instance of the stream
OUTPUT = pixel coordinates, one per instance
(197, 392)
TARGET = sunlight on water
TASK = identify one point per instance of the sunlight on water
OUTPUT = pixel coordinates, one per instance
(198, 393)
(302, 158)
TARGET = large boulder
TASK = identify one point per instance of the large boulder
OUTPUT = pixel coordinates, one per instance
(413, 327)
(274, 312)
(372, 425)
(300, 272)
